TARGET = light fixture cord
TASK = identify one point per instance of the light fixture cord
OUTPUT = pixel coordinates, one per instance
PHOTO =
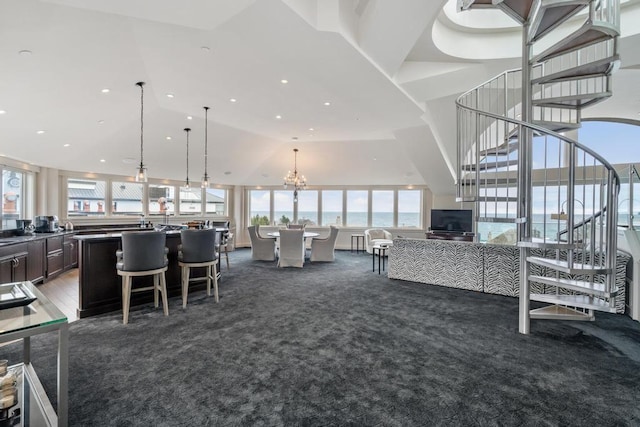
(141, 84)
(206, 143)
(187, 130)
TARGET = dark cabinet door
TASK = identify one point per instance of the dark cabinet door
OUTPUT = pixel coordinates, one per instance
(6, 270)
(36, 260)
(55, 263)
(20, 268)
(70, 252)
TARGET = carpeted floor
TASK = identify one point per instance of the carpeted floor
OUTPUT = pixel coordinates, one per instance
(335, 344)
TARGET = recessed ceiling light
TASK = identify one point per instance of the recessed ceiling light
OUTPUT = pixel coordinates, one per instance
(3, 112)
(25, 52)
(105, 90)
(375, 158)
(278, 117)
(40, 132)
(170, 95)
(311, 129)
(233, 100)
(205, 48)
(327, 104)
(67, 145)
(168, 138)
(189, 118)
(284, 81)
(100, 122)
(102, 160)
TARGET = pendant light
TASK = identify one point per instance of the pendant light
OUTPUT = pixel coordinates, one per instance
(205, 178)
(141, 174)
(187, 185)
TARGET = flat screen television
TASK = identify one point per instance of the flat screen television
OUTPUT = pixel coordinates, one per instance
(452, 220)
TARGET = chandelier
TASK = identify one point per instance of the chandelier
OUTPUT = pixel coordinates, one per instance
(298, 182)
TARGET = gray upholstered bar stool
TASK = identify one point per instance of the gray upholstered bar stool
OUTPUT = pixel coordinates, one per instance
(143, 254)
(198, 249)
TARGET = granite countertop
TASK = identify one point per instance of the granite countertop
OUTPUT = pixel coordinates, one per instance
(4, 241)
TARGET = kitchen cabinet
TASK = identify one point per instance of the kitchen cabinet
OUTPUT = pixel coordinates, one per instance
(13, 263)
(70, 250)
(36, 260)
(55, 256)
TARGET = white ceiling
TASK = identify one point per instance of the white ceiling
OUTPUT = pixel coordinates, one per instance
(392, 91)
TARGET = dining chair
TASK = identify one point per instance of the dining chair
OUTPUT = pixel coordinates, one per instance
(198, 249)
(143, 253)
(262, 249)
(292, 249)
(324, 249)
(295, 226)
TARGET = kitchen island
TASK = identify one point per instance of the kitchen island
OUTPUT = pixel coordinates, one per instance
(100, 287)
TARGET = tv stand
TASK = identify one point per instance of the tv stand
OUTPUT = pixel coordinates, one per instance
(448, 235)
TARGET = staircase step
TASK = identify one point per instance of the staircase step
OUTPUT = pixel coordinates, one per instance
(547, 244)
(549, 14)
(557, 312)
(490, 165)
(572, 101)
(502, 220)
(517, 9)
(602, 67)
(563, 266)
(582, 301)
(500, 150)
(588, 34)
(484, 182)
(556, 126)
(591, 288)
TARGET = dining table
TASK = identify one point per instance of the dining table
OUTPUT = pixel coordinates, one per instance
(306, 235)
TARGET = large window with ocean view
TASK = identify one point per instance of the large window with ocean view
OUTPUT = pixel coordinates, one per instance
(308, 207)
(283, 207)
(331, 207)
(259, 207)
(382, 208)
(357, 208)
(409, 208)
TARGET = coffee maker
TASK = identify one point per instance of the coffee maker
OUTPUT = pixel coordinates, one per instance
(24, 226)
(46, 224)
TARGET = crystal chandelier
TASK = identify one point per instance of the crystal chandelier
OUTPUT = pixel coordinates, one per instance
(298, 182)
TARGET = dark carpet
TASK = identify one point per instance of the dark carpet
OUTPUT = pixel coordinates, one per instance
(335, 344)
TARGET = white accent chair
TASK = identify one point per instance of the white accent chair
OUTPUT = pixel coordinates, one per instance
(262, 249)
(373, 236)
(324, 249)
(144, 253)
(292, 249)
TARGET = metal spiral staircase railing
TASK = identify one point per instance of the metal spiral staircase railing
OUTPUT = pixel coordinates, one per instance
(517, 167)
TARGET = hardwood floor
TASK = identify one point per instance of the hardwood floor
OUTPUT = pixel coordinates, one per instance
(63, 292)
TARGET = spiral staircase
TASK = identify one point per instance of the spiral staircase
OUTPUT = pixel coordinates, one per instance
(518, 167)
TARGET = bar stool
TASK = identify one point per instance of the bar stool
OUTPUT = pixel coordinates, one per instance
(198, 249)
(143, 254)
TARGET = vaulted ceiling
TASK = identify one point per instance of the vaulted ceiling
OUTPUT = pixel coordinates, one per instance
(389, 70)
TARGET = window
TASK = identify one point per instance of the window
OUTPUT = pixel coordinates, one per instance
(259, 207)
(12, 198)
(409, 208)
(85, 197)
(126, 198)
(357, 208)
(161, 200)
(216, 199)
(382, 208)
(331, 207)
(190, 201)
(308, 207)
(283, 207)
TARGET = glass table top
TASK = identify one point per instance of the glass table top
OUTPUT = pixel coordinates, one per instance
(40, 312)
